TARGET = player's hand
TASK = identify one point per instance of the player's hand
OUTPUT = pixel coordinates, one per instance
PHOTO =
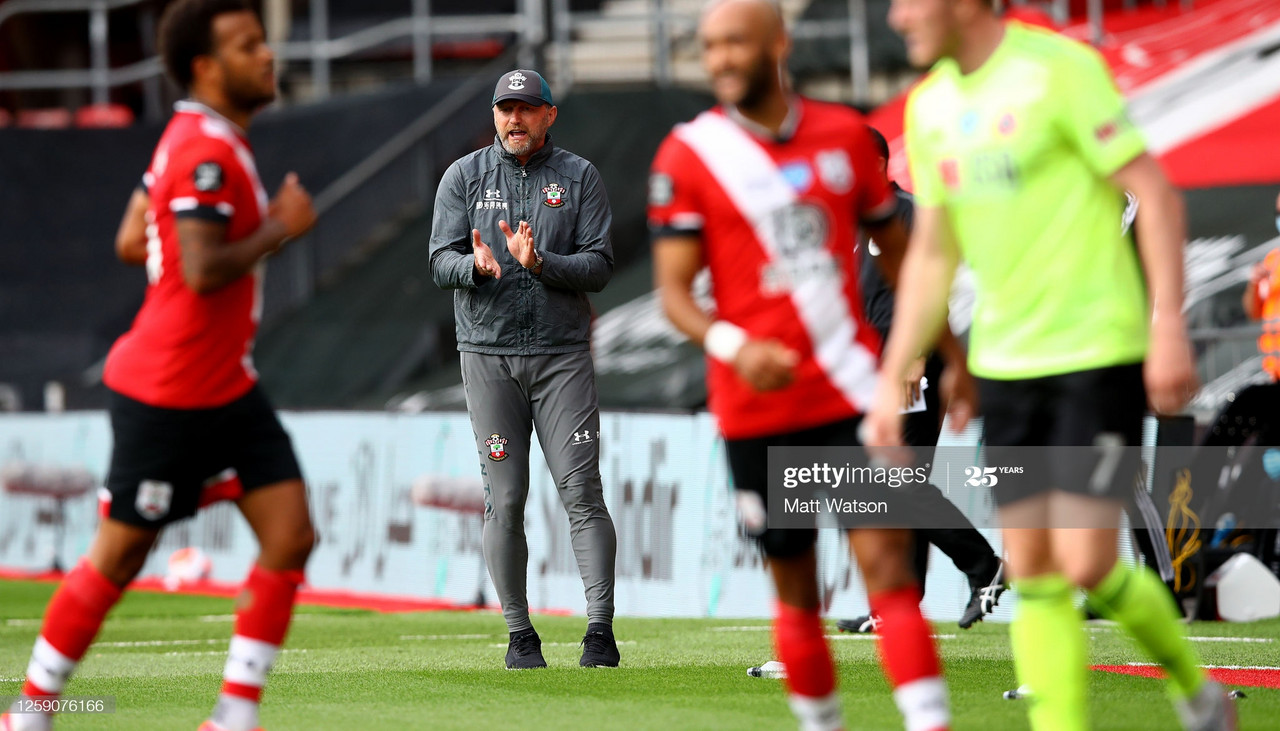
(960, 392)
(1170, 370)
(911, 382)
(766, 365)
(292, 207)
(520, 243)
(486, 264)
(881, 428)
(1258, 275)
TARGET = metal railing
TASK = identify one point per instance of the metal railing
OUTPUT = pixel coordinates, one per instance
(396, 180)
(526, 24)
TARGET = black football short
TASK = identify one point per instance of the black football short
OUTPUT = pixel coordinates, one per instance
(1028, 422)
(749, 465)
(162, 458)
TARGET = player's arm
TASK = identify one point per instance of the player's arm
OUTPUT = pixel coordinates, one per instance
(1161, 226)
(590, 267)
(919, 313)
(209, 262)
(459, 258)
(765, 364)
(892, 237)
(920, 301)
(131, 237)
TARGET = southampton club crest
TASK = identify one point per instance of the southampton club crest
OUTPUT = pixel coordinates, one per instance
(555, 195)
(497, 445)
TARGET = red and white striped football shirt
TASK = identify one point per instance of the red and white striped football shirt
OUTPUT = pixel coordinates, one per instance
(778, 221)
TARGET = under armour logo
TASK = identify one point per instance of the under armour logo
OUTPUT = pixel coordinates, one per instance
(517, 81)
(582, 437)
(492, 195)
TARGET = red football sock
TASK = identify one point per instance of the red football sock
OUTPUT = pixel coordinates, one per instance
(262, 620)
(910, 660)
(71, 621)
(802, 648)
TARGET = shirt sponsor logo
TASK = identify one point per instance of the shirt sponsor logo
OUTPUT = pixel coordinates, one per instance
(1104, 133)
(154, 499)
(497, 445)
(492, 201)
(555, 195)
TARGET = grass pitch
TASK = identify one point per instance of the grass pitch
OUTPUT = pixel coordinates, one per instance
(161, 657)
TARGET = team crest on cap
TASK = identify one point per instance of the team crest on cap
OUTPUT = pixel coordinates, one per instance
(497, 445)
(555, 195)
(517, 81)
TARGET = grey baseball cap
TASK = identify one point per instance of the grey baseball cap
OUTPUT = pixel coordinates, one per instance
(523, 84)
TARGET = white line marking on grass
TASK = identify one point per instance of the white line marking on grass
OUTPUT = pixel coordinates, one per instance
(22, 622)
(232, 617)
(445, 637)
(876, 637)
(744, 628)
(218, 652)
(12, 680)
(1231, 639)
(162, 643)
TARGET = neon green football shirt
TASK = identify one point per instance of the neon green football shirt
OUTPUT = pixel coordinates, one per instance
(1018, 153)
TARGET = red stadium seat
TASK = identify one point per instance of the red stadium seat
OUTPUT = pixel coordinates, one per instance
(6, 119)
(104, 116)
(53, 118)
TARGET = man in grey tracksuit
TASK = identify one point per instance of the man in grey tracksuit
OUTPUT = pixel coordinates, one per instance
(523, 323)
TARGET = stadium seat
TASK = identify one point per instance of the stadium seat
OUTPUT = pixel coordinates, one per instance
(52, 118)
(103, 116)
(6, 119)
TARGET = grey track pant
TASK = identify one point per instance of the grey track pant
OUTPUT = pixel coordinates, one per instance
(507, 397)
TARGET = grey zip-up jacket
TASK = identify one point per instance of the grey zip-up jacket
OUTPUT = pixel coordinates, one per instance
(563, 198)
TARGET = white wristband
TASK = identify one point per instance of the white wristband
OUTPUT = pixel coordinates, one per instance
(724, 340)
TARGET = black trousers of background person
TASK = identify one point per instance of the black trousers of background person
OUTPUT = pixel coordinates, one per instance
(963, 544)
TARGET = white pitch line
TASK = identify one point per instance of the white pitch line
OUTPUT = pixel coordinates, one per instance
(162, 643)
(744, 628)
(445, 637)
(218, 652)
(1207, 667)
(11, 680)
(876, 637)
(22, 622)
(1231, 639)
(232, 617)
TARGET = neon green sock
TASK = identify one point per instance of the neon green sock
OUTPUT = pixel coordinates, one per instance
(1050, 653)
(1142, 604)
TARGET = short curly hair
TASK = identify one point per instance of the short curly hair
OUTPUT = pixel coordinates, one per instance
(186, 31)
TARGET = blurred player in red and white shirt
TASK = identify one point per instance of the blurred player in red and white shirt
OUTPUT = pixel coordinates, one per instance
(767, 191)
(184, 399)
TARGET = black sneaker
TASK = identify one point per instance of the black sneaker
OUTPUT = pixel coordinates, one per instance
(599, 650)
(525, 652)
(864, 625)
(983, 599)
